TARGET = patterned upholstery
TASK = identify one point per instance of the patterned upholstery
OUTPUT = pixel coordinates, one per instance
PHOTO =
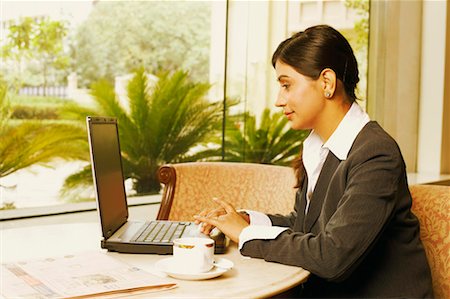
(431, 204)
(189, 187)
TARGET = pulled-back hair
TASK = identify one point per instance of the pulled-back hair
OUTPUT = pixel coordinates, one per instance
(319, 47)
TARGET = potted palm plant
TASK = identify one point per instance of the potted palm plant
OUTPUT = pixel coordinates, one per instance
(273, 142)
(161, 124)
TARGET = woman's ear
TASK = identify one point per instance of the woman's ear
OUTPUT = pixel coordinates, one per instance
(328, 79)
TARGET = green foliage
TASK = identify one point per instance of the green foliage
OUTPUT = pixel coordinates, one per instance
(51, 35)
(37, 101)
(272, 143)
(32, 112)
(5, 110)
(7, 205)
(37, 45)
(36, 107)
(361, 26)
(19, 38)
(121, 36)
(48, 46)
(162, 124)
(33, 142)
(359, 39)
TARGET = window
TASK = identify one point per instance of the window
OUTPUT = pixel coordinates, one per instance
(103, 39)
(255, 30)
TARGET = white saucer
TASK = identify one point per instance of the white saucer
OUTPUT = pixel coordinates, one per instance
(164, 266)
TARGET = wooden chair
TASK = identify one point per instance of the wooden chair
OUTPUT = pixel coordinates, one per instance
(190, 187)
(431, 204)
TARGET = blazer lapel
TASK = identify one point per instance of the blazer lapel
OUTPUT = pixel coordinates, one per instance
(315, 206)
(301, 205)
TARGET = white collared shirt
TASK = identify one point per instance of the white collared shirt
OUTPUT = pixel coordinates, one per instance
(314, 154)
(315, 151)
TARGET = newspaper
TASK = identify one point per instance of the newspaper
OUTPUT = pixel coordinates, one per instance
(84, 275)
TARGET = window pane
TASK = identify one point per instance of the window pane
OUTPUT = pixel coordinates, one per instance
(109, 40)
(255, 30)
(350, 17)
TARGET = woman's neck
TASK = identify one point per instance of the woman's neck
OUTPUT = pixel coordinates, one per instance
(331, 116)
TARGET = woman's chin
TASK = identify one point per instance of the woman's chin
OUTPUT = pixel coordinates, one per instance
(296, 126)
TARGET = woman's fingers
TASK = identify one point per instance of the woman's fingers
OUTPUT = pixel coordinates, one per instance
(211, 213)
(205, 227)
(231, 224)
(226, 205)
(209, 219)
(202, 213)
(208, 224)
(216, 212)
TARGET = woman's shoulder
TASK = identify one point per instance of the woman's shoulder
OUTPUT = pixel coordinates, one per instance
(374, 140)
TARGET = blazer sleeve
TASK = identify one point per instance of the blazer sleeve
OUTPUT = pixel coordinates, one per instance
(363, 210)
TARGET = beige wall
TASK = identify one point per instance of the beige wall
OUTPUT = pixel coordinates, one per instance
(431, 115)
(445, 153)
(407, 93)
(394, 71)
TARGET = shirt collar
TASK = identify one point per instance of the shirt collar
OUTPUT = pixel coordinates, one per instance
(345, 134)
(342, 138)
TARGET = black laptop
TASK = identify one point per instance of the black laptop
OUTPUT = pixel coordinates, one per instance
(119, 233)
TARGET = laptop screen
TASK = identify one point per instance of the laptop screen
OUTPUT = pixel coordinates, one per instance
(107, 172)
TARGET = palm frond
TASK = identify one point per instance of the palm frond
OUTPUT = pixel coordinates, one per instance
(105, 97)
(76, 112)
(26, 143)
(82, 177)
(138, 100)
(78, 185)
(35, 143)
(271, 143)
(5, 110)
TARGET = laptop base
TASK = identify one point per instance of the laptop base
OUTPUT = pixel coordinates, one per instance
(220, 246)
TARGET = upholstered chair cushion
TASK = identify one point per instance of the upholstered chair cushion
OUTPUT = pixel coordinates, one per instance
(431, 204)
(190, 187)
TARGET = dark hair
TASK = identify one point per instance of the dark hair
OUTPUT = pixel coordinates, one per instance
(319, 47)
(299, 170)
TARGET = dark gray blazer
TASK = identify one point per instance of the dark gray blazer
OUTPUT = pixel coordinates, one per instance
(359, 237)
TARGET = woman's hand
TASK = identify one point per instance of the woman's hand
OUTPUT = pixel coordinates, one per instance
(225, 218)
(206, 228)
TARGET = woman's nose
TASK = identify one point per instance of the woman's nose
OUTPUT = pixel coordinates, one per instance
(280, 102)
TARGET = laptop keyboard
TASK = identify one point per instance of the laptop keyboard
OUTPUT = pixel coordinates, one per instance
(160, 231)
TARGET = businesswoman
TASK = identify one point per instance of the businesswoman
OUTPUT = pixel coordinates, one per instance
(351, 226)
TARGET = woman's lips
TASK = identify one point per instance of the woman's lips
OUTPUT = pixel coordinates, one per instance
(288, 114)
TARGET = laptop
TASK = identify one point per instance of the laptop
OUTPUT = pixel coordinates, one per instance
(118, 232)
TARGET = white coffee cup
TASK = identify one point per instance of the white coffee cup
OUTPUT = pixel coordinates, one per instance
(193, 255)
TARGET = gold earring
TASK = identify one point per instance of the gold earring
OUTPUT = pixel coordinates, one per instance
(327, 94)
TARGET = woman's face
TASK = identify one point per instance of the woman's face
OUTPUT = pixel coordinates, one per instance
(300, 97)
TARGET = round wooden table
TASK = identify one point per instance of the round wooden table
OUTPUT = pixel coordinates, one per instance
(250, 278)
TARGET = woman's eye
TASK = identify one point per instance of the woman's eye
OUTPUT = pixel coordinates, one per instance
(285, 86)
